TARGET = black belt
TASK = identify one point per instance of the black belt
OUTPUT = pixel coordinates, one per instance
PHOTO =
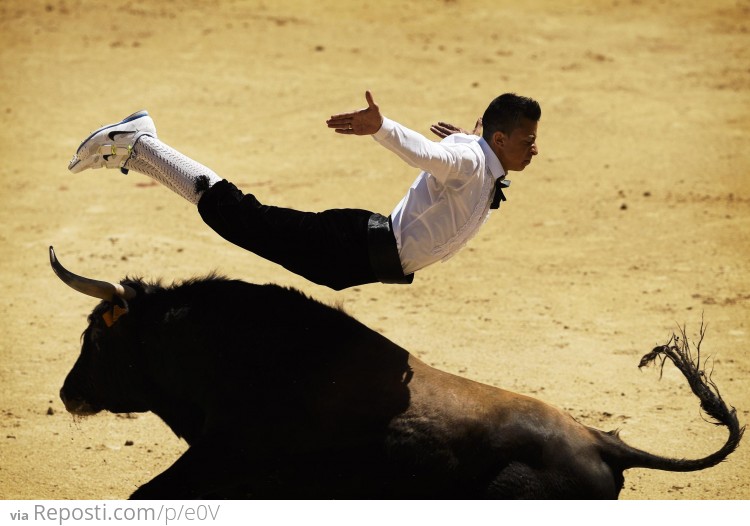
(383, 251)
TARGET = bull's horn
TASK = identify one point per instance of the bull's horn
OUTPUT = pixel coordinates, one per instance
(98, 289)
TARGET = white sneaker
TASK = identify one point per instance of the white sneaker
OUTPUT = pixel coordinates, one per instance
(110, 146)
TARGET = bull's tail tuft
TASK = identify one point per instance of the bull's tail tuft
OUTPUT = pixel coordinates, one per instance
(678, 351)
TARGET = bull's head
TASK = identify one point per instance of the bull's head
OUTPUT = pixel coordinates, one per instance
(109, 371)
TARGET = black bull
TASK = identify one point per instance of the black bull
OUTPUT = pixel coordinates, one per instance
(280, 396)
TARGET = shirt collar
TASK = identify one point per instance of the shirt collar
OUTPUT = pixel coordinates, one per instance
(493, 163)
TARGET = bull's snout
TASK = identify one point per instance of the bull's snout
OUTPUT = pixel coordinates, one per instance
(77, 406)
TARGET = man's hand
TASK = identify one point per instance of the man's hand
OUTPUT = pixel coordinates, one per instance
(360, 122)
(444, 129)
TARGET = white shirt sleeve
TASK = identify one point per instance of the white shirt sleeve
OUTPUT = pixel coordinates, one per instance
(442, 160)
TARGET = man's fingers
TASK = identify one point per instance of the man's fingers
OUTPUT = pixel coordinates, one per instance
(370, 100)
(341, 128)
(440, 130)
(478, 127)
(340, 121)
(341, 117)
(341, 124)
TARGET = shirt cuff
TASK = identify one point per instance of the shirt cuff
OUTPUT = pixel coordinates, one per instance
(385, 129)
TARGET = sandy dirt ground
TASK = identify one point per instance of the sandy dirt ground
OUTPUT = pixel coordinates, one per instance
(633, 220)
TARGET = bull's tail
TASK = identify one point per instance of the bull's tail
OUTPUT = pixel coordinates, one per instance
(678, 351)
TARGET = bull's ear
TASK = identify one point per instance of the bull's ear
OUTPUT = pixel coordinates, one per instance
(118, 309)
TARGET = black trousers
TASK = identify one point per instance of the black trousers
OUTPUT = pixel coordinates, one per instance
(338, 248)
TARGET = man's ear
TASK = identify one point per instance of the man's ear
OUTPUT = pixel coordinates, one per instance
(498, 139)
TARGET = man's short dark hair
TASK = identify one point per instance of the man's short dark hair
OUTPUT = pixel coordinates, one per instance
(505, 113)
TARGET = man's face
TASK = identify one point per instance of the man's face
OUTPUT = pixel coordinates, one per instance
(515, 151)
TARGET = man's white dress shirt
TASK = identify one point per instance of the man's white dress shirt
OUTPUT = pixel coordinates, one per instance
(450, 199)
